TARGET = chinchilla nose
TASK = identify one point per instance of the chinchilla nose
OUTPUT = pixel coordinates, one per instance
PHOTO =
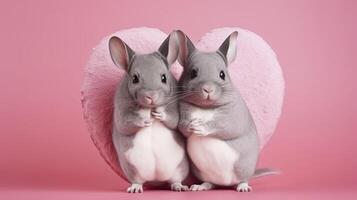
(151, 96)
(208, 88)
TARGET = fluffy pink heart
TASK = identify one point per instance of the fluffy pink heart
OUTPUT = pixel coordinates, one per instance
(256, 73)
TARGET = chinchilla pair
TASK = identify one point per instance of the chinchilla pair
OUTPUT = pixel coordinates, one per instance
(158, 122)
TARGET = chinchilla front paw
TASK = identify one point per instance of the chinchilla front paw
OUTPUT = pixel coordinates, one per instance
(196, 126)
(143, 122)
(159, 114)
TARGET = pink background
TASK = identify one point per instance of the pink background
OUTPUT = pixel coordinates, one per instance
(45, 149)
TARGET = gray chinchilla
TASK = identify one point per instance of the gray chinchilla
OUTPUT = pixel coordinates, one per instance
(146, 117)
(222, 140)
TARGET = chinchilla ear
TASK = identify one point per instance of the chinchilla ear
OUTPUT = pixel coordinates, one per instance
(169, 48)
(229, 47)
(120, 52)
(186, 47)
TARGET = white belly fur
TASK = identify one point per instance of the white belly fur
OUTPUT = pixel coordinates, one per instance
(155, 153)
(214, 158)
(204, 115)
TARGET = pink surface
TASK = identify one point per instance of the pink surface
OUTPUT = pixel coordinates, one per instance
(45, 148)
(256, 73)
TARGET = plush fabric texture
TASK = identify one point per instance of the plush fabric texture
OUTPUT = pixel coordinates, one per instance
(255, 72)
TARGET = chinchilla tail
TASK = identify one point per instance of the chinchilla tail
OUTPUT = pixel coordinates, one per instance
(265, 172)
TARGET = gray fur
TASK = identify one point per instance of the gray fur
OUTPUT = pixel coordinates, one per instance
(232, 121)
(132, 98)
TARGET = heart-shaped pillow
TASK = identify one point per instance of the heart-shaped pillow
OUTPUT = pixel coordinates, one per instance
(256, 73)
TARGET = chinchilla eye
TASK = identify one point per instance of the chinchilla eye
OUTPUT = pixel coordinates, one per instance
(222, 75)
(163, 78)
(135, 79)
(194, 73)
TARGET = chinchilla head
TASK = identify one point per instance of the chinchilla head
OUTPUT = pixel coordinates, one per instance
(205, 80)
(149, 81)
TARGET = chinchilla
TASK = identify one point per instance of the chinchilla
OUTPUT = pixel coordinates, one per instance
(145, 119)
(222, 139)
